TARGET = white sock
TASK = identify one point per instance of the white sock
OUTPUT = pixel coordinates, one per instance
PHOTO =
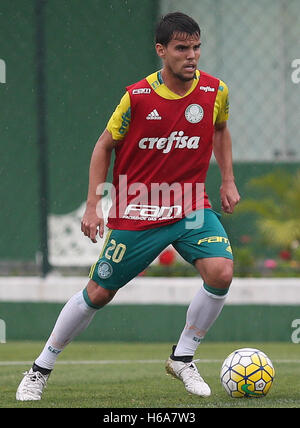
(204, 309)
(74, 318)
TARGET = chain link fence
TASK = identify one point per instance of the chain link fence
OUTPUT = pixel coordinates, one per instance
(254, 47)
(93, 50)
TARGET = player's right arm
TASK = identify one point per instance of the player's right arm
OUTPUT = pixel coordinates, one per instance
(99, 165)
(115, 131)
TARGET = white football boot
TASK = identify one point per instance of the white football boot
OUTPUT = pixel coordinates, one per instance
(189, 375)
(31, 386)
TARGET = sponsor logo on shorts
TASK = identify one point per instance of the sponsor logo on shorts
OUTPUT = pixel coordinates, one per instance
(217, 239)
(105, 270)
(214, 239)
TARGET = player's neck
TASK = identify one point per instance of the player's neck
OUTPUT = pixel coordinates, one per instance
(175, 84)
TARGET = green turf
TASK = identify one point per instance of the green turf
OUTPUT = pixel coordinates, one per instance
(135, 384)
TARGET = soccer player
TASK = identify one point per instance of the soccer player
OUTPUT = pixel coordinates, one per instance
(163, 133)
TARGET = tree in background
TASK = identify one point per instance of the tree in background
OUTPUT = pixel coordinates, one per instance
(277, 207)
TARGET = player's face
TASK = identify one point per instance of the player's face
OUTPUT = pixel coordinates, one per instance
(181, 56)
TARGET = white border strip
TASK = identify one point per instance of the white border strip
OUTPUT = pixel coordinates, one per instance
(152, 290)
(107, 362)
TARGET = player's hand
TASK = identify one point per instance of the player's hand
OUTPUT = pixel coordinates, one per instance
(229, 196)
(92, 222)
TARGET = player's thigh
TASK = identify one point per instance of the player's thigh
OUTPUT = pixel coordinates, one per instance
(125, 254)
(208, 241)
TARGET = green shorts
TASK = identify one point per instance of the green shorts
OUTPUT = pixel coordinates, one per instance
(126, 253)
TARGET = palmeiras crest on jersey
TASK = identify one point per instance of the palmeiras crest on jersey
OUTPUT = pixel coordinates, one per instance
(105, 270)
(194, 113)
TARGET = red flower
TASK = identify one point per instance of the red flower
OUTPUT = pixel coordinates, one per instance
(245, 239)
(167, 257)
(285, 255)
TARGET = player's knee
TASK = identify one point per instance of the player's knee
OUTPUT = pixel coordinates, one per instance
(225, 275)
(98, 295)
(220, 275)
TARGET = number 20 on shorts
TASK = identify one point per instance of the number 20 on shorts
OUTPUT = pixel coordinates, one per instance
(115, 251)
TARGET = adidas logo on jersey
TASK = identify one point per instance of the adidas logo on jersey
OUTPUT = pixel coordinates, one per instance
(153, 115)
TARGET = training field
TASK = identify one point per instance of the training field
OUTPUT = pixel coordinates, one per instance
(131, 375)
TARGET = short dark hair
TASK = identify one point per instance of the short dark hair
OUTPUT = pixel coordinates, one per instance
(175, 22)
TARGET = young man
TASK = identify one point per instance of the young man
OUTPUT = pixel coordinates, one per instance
(163, 133)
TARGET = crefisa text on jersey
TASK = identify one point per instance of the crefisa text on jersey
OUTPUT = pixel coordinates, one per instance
(176, 139)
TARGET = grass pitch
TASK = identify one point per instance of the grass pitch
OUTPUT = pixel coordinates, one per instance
(132, 375)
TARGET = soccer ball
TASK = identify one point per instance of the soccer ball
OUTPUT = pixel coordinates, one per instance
(247, 372)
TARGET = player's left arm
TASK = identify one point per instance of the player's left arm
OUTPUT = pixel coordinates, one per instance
(222, 147)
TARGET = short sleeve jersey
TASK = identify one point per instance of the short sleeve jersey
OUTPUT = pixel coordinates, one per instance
(163, 150)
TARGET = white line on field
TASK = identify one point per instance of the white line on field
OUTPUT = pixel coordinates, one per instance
(105, 362)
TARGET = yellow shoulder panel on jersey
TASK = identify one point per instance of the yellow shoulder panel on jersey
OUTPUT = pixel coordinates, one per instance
(221, 109)
(119, 122)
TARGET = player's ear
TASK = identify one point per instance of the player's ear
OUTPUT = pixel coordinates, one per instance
(160, 50)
